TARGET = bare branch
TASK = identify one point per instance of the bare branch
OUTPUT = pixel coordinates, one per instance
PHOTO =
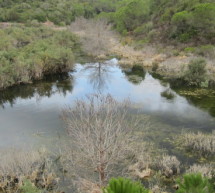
(100, 131)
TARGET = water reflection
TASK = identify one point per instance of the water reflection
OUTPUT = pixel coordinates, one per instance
(35, 108)
(60, 83)
(135, 75)
(201, 98)
(99, 74)
(168, 94)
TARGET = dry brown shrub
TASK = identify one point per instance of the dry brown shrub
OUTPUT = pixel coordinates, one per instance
(143, 160)
(87, 186)
(199, 142)
(206, 170)
(169, 165)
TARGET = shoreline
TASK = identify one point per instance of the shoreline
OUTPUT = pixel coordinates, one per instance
(163, 60)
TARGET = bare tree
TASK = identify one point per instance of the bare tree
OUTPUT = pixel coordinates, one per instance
(96, 35)
(100, 131)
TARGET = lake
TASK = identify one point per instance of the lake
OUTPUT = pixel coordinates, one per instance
(30, 114)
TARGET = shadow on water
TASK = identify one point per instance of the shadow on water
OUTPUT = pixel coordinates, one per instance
(201, 98)
(59, 83)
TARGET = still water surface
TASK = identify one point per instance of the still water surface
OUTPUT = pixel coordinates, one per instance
(30, 114)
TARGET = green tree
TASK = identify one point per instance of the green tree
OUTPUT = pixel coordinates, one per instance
(128, 17)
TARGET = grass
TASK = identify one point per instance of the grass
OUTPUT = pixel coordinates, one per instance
(206, 170)
(200, 143)
(20, 169)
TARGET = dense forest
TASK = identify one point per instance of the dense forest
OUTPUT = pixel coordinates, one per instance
(189, 24)
(183, 20)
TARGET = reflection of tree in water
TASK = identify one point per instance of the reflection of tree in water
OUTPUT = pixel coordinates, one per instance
(201, 98)
(99, 75)
(168, 94)
(135, 75)
(46, 88)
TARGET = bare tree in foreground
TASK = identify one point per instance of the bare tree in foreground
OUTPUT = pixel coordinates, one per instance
(100, 131)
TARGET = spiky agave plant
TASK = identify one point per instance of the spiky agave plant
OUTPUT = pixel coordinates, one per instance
(194, 183)
(122, 185)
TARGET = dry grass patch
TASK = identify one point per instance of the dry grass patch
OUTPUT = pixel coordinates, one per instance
(18, 166)
(169, 165)
(207, 170)
(201, 143)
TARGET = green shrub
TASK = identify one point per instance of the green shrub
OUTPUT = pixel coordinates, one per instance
(155, 66)
(194, 183)
(184, 37)
(196, 72)
(122, 185)
(167, 15)
(190, 49)
(206, 50)
(212, 180)
(203, 17)
(181, 18)
(145, 28)
(29, 53)
(28, 187)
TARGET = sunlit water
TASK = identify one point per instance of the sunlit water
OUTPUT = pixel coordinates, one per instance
(30, 114)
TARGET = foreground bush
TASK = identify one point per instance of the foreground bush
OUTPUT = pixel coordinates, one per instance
(122, 185)
(29, 53)
(194, 183)
(26, 172)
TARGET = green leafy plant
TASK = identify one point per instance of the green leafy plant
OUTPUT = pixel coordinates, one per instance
(195, 73)
(28, 187)
(122, 185)
(194, 183)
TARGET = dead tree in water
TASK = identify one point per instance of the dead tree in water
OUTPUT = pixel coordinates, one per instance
(100, 132)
